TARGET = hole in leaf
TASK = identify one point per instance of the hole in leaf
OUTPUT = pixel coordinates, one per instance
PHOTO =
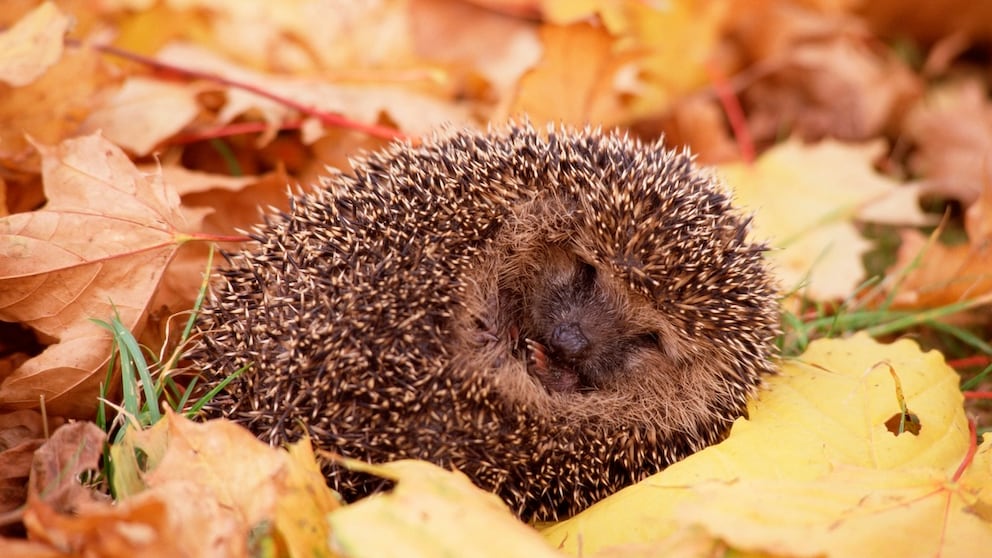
(900, 423)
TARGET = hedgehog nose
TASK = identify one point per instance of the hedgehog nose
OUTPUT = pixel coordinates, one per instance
(568, 340)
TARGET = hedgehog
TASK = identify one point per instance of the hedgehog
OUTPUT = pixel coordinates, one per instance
(555, 314)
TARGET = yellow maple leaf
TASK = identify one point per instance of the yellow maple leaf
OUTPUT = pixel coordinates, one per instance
(431, 512)
(806, 197)
(830, 408)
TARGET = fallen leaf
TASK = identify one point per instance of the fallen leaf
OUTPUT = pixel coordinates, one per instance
(21, 434)
(237, 468)
(304, 504)
(928, 21)
(952, 129)
(99, 247)
(573, 82)
(430, 512)
(839, 87)
(311, 37)
(413, 112)
(248, 486)
(937, 274)
(143, 112)
(32, 45)
(73, 449)
(497, 47)
(826, 409)
(47, 110)
(843, 513)
(805, 198)
(151, 524)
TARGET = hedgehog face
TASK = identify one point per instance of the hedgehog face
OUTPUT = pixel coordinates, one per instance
(578, 330)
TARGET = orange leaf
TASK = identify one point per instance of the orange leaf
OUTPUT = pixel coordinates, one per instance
(99, 246)
(32, 45)
(573, 82)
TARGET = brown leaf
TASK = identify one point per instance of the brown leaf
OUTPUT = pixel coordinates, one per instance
(48, 109)
(150, 524)
(952, 129)
(99, 247)
(498, 47)
(72, 450)
(947, 274)
(21, 433)
(839, 87)
(179, 517)
(411, 110)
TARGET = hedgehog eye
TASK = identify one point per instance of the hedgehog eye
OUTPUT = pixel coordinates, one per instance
(586, 272)
(650, 339)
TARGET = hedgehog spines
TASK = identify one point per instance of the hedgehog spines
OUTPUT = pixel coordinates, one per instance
(557, 315)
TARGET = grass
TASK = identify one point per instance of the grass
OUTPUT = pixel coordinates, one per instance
(147, 381)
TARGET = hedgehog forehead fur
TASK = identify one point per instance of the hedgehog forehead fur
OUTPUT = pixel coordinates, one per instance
(556, 315)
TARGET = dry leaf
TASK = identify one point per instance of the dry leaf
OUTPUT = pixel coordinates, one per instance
(939, 274)
(827, 409)
(478, 40)
(805, 198)
(301, 514)
(846, 513)
(927, 20)
(246, 485)
(573, 82)
(143, 112)
(32, 45)
(21, 434)
(952, 129)
(99, 247)
(47, 109)
(73, 449)
(837, 88)
(414, 112)
(148, 525)
(430, 512)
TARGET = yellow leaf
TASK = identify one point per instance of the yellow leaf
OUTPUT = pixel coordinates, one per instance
(303, 505)
(805, 197)
(128, 470)
(431, 512)
(827, 409)
(849, 512)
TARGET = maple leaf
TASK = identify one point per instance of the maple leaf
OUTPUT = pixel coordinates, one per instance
(806, 197)
(952, 128)
(98, 247)
(573, 82)
(416, 518)
(831, 407)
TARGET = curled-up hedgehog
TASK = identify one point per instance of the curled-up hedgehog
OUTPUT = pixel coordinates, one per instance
(555, 315)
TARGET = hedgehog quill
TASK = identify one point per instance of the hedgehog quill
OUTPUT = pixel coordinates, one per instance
(556, 315)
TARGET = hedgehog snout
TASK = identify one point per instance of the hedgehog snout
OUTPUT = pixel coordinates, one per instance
(569, 341)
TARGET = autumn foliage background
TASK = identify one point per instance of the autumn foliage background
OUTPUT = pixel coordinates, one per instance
(135, 133)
